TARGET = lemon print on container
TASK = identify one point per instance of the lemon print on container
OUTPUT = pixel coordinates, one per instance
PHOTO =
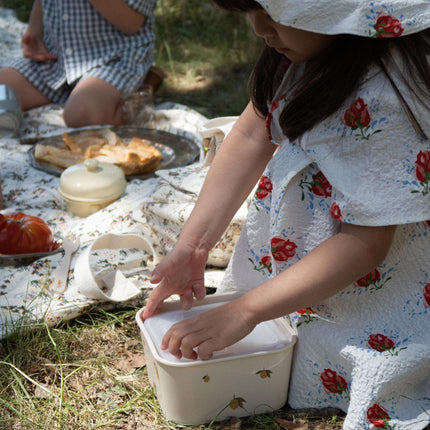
(265, 373)
(206, 378)
(237, 402)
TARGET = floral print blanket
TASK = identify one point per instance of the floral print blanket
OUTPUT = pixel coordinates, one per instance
(153, 208)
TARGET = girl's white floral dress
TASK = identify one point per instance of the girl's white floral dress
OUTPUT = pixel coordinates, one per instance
(365, 350)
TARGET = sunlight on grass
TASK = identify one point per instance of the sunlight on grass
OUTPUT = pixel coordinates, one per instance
(89, 373)
(207, 55)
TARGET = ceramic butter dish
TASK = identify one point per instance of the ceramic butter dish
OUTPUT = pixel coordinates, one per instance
(90, 186)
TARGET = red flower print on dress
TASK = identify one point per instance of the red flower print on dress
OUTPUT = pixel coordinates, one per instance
(264, 188)
(386, 26)
(333, 382)
(319, 186)
(381, 343)
(335, 211)
(427, 296)
(305, 311)
(427, 223)
(422, 171)
(265, 263)
(306, 316)
(370, 278)
(358, 117)
(373, 279)
(378, 416)
(282, 249)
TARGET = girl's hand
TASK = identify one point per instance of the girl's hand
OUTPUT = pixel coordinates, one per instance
(181, 272)
(32, 42)
(34, 48)
(208, 332)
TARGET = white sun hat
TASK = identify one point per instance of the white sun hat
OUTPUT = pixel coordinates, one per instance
(370, 18)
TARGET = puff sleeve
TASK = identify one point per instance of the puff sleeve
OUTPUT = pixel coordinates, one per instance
(377, 164)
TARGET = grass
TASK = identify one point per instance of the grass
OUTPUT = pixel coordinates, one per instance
(207, 54)
(90, 373)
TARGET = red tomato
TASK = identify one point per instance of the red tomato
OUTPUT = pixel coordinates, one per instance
(22, 234)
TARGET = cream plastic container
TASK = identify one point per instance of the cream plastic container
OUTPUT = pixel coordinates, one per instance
(247, 378)
(90, 186)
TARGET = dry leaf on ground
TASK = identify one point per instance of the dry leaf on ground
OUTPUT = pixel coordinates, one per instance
(292, 425)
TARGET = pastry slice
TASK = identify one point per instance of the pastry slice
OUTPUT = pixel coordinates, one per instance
(60, 157)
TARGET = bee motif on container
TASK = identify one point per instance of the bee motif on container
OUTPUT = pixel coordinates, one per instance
(265, 373)
(237, 402)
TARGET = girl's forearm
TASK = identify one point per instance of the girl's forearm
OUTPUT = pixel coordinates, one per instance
(336, 263)
(234, 172)
(119, 14)
(35, 22)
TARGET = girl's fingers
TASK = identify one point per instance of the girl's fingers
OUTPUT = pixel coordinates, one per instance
(186, 299)
(156, 276)
(199, 291)
(154, 302)
(181, 339)
(187, 345)
(206, 350)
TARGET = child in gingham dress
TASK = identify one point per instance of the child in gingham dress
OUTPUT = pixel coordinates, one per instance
(337, 238)
(85, 54)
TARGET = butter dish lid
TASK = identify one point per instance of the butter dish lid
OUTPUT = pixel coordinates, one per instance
(92, 180)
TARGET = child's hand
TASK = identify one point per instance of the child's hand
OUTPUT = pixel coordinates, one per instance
(35, 49)
(208, 332)
(181, 272)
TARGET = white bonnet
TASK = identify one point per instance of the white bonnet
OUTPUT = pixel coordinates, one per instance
(376, 18)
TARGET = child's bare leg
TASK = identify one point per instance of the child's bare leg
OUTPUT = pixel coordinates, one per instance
(28, 96)
(94, 102)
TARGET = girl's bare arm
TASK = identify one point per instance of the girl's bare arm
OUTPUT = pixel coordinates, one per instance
(120, 14)
(35, 22)
(330, 267)
(233, 173)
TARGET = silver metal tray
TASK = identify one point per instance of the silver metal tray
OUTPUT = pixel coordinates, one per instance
(176, 150)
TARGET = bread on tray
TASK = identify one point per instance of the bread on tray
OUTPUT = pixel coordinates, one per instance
(134, 157)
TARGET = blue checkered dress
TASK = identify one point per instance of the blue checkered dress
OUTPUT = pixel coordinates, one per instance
(88, 45)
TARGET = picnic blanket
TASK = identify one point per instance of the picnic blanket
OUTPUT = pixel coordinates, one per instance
(154, 209)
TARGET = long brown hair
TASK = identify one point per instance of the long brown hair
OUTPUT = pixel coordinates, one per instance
(336, 73)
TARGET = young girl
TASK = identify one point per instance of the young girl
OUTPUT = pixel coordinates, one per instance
(338, 233)
(85, 53)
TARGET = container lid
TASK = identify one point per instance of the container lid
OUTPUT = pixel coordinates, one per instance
(92, 180)
(268, 336)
